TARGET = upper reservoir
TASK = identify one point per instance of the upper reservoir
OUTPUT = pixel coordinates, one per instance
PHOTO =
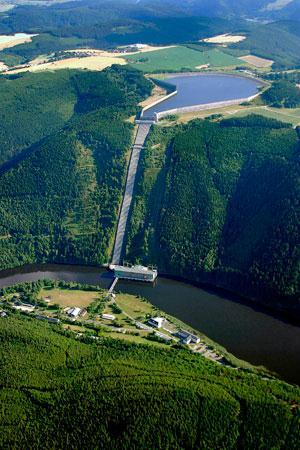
(244, 329)
(202, 89)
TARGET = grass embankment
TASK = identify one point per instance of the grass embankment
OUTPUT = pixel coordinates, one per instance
(287, 115)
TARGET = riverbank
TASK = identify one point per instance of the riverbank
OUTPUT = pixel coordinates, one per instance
(246, 331)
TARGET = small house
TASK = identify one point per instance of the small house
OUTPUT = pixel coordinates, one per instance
(74, 312)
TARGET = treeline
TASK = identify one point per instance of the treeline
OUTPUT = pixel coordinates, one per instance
(60, 203)
(217, 203)
(62, 392)
(282, 94)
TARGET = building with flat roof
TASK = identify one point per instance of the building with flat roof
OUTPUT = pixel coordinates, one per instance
(108, 317)
(156, 322)
(138, 273)
(187, 338)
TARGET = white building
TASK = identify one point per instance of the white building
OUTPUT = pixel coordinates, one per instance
(73, 312)
(108, 317)
(156, 322)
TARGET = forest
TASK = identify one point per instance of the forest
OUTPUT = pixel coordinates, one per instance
(111, 23)
(112, 394)
(217, 203)
(59, 196)
(282, 94)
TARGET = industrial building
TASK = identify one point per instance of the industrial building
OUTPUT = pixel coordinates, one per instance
(138, 273)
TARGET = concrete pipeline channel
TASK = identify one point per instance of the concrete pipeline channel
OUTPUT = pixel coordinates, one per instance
(141, 135)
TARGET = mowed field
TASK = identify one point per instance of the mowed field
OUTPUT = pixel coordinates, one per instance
(180, 58)
(67, 297)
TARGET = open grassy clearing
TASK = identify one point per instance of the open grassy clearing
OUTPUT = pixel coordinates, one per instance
(134, 306)
(224, 39)
(180, 58)
(291, 116)
(69, 297)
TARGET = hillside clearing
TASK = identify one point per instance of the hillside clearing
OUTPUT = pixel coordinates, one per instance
(89, 63)
(67, 297)
(7, 41)
(224, 39)
(256, 61)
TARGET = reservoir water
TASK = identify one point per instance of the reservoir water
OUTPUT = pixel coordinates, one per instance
(245, 330)
(197, 89)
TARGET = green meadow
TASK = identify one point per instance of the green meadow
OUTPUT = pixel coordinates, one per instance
(180, 58)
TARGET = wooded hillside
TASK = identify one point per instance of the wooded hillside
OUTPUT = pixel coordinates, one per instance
(59, 200)
(62, 392)
(219, 203)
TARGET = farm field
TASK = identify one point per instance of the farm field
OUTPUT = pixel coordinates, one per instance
(180, 58)
(13, 40)
(256, 61)
(89, 62)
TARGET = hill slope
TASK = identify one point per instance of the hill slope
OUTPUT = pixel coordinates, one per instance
(59, 199)
(220, 205)
(58, 392)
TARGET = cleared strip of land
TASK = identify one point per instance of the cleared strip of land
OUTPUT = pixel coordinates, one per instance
(89, 62)
(256, 61)
(7, 41)
(224, 39)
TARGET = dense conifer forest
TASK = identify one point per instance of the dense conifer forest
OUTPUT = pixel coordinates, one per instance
(218, 203)
(59, 391)
(282, 94)
(59, 197)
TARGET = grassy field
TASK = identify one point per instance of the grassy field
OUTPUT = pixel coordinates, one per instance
(66, 297)
(180, 58)
(291, 116)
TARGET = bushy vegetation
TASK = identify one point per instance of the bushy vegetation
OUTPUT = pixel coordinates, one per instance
(282, 94)
(59, 201)
(62, 392)
(218, 203)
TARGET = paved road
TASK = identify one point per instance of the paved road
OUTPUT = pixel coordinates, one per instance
(141, 135)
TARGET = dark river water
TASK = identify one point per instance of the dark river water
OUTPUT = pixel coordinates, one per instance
(247, 332)
(205, 88)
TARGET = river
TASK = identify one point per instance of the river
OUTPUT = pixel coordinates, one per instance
(198, 89)
(250, 333)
